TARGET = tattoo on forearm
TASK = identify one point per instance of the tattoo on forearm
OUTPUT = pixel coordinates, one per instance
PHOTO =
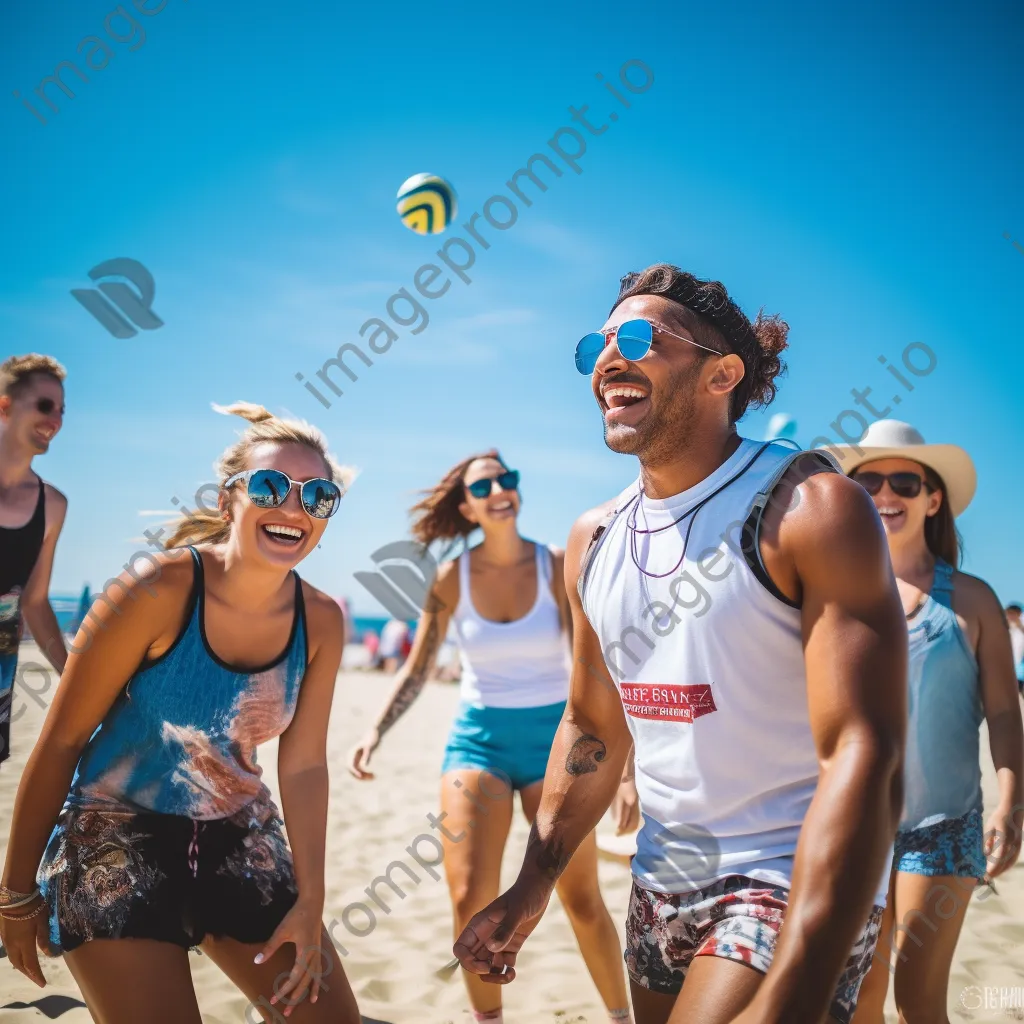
(585, 755)
(549, 855)
(416, 679)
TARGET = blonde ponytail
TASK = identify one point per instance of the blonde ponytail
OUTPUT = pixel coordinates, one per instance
(212, 527)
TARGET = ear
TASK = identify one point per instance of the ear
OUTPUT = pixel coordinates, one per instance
(5, 406)
(934, 503)
(728, 372)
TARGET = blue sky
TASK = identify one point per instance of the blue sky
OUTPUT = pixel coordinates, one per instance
(853, 168)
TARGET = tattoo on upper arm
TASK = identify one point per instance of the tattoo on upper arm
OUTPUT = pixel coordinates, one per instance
(585, 755)
(416, 679)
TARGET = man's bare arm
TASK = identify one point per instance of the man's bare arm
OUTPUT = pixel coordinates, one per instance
(590, 748)
(855, 644)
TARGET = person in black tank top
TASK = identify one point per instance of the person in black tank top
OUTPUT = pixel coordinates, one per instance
(31, 516)
(142, 813)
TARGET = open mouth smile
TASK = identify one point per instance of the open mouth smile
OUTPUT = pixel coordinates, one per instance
(618, 398)
(285, 535)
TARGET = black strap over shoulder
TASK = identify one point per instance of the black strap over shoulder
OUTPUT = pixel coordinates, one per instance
(750, 538)
(618, 506)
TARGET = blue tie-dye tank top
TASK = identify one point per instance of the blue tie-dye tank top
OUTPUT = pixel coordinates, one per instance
(181, 737)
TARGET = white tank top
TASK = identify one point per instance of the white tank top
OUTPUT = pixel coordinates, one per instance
(710, 669)
(521, 664)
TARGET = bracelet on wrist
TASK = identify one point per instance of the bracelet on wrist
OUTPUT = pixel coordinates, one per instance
(10, 898)
(23, 917)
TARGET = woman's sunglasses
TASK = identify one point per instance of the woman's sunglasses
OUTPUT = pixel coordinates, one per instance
(905, 484)
(269, 488)
(633, 338)
(507, 481)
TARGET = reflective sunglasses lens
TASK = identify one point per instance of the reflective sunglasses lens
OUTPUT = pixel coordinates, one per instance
(906, 485)
(588, 348)
(509, 480)
(321, 498)
(634, 339)
(871, 482)
(268, 488)
(479, 488)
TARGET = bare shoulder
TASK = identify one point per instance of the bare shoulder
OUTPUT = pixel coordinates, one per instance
(56, 505)
(446, 583)
(155, 587)
(975, 599)
(581, 536)
(818, 505)
(322, 612)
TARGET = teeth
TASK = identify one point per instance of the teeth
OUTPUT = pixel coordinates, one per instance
(284, 531)
(623, 392)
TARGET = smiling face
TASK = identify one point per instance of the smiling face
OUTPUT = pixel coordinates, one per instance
(282, 536)
(33, 417)
(903, 518)
(650, 406)
(499, 506)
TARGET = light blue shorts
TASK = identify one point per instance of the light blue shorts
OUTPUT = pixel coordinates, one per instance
(513, 743)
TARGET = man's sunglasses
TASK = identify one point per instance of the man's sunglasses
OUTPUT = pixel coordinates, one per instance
(507, 481)
(47, 406)
(269, 488)
(905, 484)
(633, 338)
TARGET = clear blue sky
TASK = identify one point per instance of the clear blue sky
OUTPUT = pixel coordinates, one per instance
(852, 168)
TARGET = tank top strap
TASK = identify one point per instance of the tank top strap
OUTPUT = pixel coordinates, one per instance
(465, 605)
(543, 565)
(39, 515)
(942, 583)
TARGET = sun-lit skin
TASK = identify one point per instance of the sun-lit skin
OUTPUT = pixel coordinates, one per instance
(672, 379)
(499, 505)
(902, 518)
(28, 427)
(249, 535)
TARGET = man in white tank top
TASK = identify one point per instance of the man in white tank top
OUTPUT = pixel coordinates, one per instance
(736, 619)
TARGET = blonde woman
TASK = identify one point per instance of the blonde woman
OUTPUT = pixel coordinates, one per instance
(506, 598)
(141, 809)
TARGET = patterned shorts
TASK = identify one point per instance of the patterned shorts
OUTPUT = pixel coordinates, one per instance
(737, 918)
(158, 876)
(954, 847)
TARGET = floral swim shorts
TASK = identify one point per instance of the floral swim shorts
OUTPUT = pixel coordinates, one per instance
(737, 918)
(952, 847)
(112, 875)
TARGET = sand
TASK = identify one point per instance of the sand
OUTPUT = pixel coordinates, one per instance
(392, 967)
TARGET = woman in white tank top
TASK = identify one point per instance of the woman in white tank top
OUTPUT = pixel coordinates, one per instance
(506, 601)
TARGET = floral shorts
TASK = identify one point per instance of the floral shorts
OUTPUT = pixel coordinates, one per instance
(112, 875)
(952, 847)
(737, 918)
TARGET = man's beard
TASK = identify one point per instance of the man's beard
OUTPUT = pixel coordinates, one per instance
(662, 433)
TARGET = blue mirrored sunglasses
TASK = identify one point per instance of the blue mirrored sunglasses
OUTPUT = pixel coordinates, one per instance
(633, 339)
(507, 481)
(269, 488)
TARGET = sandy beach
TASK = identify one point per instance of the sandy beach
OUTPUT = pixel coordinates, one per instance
(392, 965)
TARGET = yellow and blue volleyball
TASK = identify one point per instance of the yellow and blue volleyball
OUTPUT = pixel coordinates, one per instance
(427, 204)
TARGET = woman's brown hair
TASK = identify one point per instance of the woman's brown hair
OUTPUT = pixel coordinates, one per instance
(940, 532)
(437, 515)
(211, 527)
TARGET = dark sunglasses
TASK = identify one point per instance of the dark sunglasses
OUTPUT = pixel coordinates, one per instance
(269, 488)
(507, 481)
(905, 484)
(633, 338)
(47, 406)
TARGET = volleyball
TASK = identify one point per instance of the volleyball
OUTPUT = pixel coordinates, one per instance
(427, 204)
(781, 426)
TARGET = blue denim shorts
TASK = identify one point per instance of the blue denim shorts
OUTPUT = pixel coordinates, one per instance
(510, 741)
(952, 847)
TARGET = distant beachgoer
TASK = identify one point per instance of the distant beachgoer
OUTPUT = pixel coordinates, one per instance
(1013, 619)
(31, 516)
(393, 639)
(506, 598)
(168, 838)
(741, 592)
(961, 673)
(371, 641)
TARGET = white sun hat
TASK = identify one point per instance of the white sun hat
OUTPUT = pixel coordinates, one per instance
(891, 439)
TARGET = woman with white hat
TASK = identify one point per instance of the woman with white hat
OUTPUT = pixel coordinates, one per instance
(960, 672)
